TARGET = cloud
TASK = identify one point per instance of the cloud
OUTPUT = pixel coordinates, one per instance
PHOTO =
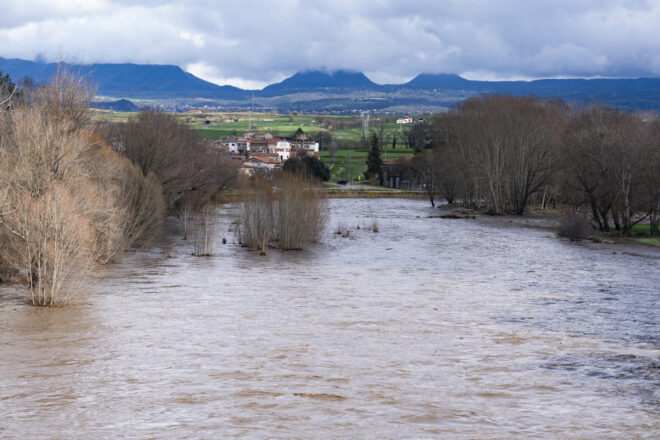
(257, 42)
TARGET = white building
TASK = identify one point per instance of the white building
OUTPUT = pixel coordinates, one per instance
(282, 148)
(305, 145)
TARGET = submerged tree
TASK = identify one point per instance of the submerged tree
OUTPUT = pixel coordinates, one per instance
(289, 217)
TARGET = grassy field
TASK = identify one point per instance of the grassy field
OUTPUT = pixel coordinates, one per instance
(350, 165)
(655, 241)
(641, 232)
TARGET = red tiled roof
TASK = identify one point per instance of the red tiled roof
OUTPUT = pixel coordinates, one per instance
(265, 159)
(405, 160)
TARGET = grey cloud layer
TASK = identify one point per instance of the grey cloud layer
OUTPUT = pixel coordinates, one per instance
(255, 42)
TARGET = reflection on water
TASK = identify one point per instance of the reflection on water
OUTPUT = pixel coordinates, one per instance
(429, 328)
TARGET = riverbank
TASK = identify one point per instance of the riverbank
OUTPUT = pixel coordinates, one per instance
(338, 192)
(373, 194)
(543, 219)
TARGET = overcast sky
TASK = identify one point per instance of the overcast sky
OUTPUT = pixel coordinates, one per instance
(251, 43)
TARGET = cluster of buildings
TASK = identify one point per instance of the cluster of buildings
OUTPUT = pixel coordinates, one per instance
(264, 151)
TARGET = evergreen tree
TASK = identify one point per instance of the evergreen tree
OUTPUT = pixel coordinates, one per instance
(6, 88)
(374, 162)
(309, 167)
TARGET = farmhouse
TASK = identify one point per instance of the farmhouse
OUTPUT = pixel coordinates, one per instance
(397, 174)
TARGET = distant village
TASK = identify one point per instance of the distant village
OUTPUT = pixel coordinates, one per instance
(259, 152)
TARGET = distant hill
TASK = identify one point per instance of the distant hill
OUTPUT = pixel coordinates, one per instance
(440, 81)
(626, 93)
(339, 90)
(121, 105)
(128, 80)
(320, 81)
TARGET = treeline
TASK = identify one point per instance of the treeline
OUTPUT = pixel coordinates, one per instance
(503, 153)
(74, 196)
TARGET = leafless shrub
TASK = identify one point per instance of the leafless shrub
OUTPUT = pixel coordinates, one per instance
(301, 213)
(184, 211)
(574, 226)
(292, 216)
(256, 216)
(205, 233)
(143, 207)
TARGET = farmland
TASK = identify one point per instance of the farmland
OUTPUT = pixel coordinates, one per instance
(350, 164)
(344, 129)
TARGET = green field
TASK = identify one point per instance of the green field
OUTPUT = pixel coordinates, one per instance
(351, 164)
(641, 232)
(655, 241)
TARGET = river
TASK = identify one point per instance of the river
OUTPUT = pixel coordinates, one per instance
(429, 328)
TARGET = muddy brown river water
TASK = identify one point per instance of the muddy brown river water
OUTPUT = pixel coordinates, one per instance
(430, 328)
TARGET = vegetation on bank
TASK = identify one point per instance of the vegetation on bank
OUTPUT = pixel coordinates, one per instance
(68, 201)
(502, 154)
(75, 195)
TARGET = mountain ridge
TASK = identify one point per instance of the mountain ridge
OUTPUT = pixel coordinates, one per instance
(340, 89)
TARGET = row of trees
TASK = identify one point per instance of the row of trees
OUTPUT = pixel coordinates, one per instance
(188, 172)
(502, 152)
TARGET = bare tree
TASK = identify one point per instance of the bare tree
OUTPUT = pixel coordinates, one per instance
(205, 232)
(52, 240)
(507, 145)
(256, 216)
(290, 217)
(427, 169)
(159, 144)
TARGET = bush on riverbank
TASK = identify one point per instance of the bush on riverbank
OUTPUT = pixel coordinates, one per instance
(574, 227)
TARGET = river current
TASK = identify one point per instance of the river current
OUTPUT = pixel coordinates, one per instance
(429, 328)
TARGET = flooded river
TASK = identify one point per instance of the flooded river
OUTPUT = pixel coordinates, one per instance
(430, 328)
